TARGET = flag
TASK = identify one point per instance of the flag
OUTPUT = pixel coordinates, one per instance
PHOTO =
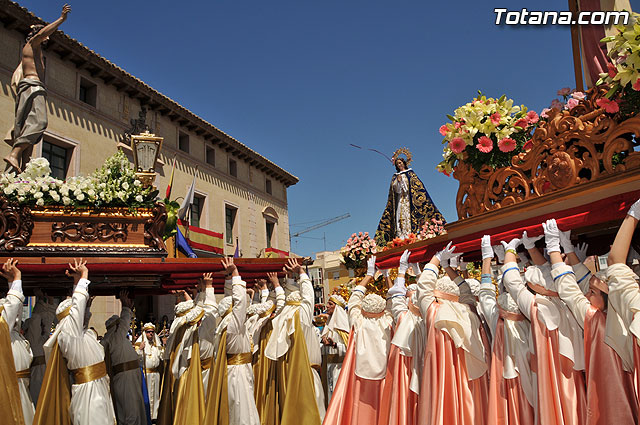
(188, 199)
(237, 253)
(183, 245)
(173, 169)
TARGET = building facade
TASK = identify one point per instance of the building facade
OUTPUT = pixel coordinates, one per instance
(327, 272)
(240, 196)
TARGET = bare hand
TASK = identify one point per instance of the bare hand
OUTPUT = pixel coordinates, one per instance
(10, 271)
(230, 268)
(273, 278)
(207, 278)
(78, 271)
(250, 292)
(65, 11)
(292, 266)
(125, 300)
(261, 284)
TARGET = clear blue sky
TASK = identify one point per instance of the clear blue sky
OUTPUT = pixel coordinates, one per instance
(298, 81)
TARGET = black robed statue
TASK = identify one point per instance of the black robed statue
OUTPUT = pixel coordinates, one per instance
(409, 205)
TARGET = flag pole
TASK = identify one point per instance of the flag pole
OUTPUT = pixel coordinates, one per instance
(575, 46)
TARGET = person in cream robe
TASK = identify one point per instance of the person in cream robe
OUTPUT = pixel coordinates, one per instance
(150, 350)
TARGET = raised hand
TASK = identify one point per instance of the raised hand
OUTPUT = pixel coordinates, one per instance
(455, 260)
(500, 251)
(78, 270)
(207, 279)
(293, 266)
(65, 11)
(273, 278)
(230, 268)
(565, 242)
(125, 300)
(530, 242)
(371, 266)
(404, 262)
(250, 293)
(10, 271)
(512, 245)
(581, 251)
(485, 247)
(551, 235)
(446, 253)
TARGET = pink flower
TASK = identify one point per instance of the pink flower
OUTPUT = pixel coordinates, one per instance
(636, 85)
(564, 91)
(360, 234)
(495, 118)
(457, 145)
(609, 106)
(459, 124)
(353, 236)
(611, 70)
(532, 117)
(545, 112)
(485, 144)
(527, 146)
(507, 144)
(556, 104)
(366, 234)
(578, 95)
(522, 123)
(572, 103)
(443, 130)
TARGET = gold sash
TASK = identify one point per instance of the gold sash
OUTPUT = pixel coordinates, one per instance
(268, 312)
(344, 336)
(217, 410)
(55, 393)
(24, 373)
(238, 359)
(167, 399)
(82, 375)
(190, 407)
(265, 384)
(9, 394)
(206, 363)
(153, 370)
(292, 303)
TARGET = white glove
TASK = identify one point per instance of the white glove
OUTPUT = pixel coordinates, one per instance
(455, 259)
(446, 253)
(512, 245)
(416, 268)
(551, 235)
(404, 262)
(385, 272)
(444, 263)
(463, 264)
(499, 250)
(530, 242)
(565, 241)
(485, 246)
(581, 251)
(634, 211)
(371, 266)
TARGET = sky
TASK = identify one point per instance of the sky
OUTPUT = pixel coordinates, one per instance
(299, 81)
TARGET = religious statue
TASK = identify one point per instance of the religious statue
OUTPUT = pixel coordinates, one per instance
(28, 84)
(409, 205)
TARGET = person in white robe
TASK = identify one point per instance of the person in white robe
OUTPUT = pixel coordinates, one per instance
(124, 367)
(300, 298)
(91, 402)
(233, 312)
(150, 350)
(206, 299)
(38, 328)
(22, 355)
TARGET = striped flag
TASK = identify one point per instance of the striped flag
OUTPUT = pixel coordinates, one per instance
(173, 169)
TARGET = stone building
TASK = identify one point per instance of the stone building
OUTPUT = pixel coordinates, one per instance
(241, 196)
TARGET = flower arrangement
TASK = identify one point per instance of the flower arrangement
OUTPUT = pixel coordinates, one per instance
(486, 131)
(113, 185)
(623, 74)
(396, 242)
(570, 99)
(358, 248)
(431, 229)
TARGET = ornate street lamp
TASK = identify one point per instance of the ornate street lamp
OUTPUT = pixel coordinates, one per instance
(146, 149)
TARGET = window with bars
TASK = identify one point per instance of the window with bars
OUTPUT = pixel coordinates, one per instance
(230, 219)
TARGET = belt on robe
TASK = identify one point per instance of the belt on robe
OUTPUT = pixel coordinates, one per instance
(268, 312)
(316, 367)
(538, 289)
(370, 315)
(334, 358)
(82, 375)
(293, 303)
(38, 360)
(152, 370)
(446, 296)
(24, 373)
(509, 315)
(206, 363)
(123, 367)
(238, 359)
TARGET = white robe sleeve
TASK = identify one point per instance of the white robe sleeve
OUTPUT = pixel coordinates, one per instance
(209, 303)
(489, 305)
(12, 303)
(355, 306)
(280, 299)
(308, 298)
(512, 281)
(239, 309)
(624, 294)
(570, 292)
(426, 286)
(264, 294)
(79, 299)
(582, 276)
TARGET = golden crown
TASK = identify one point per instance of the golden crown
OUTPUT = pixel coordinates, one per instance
(402, 151)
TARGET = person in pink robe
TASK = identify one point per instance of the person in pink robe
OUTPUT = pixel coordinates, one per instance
(399, 404)
(557, 339)
(624, 293)
(611, 397)
(455, 367)
(357, 396)
(511, 393)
